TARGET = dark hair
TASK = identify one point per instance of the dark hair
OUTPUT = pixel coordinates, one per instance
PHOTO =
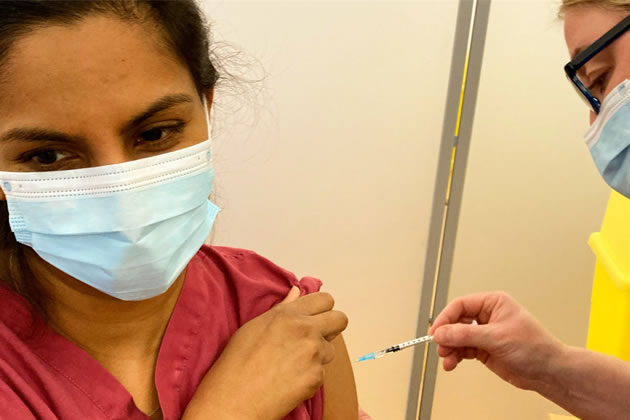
(184, 31)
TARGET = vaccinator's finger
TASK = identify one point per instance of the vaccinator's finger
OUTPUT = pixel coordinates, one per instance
(445, 351)
(473, 307)
(451, 362)
(464, 335)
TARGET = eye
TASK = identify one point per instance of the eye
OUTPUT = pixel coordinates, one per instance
(153, 135)
(160, 134)
(46, 157)
(599, 84)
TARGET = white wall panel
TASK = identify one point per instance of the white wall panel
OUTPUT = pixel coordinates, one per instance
(332, 173)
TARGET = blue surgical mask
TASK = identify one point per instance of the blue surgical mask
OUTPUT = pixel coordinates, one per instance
(128, 230)
(609, 139)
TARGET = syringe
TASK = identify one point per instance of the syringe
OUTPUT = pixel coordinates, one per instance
(397, 347)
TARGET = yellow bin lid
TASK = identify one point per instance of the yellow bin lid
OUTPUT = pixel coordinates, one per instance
(612, 244)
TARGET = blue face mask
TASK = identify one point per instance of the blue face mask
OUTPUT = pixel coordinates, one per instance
(128, 230)
(609, 139)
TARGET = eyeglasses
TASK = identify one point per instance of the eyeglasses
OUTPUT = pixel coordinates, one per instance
(583, 57)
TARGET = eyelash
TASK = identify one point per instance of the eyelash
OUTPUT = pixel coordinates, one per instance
(30, 156)
(150, 145)
(600, 80)
(172, 129)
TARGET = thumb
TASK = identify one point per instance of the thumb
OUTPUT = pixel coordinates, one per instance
(464, 335)
(292, 296)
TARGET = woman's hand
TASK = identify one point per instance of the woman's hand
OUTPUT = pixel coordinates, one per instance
(508, 340)
(273, 362)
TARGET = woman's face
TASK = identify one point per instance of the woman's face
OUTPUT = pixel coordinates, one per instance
(98, 92)
(584, 25)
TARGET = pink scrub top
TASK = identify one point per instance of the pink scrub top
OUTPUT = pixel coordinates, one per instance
(45, 376)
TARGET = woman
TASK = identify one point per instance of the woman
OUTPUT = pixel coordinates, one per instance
(509, 341)
(110, 305)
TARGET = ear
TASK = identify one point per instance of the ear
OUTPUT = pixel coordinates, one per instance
(2, 196)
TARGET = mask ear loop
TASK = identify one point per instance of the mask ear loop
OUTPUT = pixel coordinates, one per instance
(207, 114)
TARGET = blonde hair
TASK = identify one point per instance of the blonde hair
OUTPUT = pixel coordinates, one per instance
(613, 4)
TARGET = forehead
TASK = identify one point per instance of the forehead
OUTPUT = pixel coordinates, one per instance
(98, 66)
(584, 24)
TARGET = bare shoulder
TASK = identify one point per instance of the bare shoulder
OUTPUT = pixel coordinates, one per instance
(340, 393)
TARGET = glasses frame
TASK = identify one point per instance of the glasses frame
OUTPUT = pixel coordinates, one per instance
(572, 67)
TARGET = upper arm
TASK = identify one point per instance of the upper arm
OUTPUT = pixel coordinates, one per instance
(340, 393)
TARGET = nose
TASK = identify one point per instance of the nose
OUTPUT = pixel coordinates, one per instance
(110, 153)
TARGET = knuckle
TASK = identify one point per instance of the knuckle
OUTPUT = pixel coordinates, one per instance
(329, 354)
(319, 350)
(303, 329)
(327, 299)
(343, 319)
(502, 295)
(292, 324)
(458, 300)
(322, 352)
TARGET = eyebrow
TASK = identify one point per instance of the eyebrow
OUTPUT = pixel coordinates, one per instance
(160, 105)
(577, 51)
(39, 134)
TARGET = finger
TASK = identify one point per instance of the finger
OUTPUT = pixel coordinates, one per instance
(315, 303)
(327, 352)
(468, 353)
(473, 307)
(331, 324)
(462, 352)
(293, 294)
(464, 320)
(451, 362)
(455, 356)
(445, 351)
(483, 356)
(464, 335)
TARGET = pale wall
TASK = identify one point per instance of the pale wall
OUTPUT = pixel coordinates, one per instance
(532, 197)
(332, 175)
(335, 176)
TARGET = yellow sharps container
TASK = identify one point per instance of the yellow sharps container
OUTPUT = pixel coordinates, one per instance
(609, 326)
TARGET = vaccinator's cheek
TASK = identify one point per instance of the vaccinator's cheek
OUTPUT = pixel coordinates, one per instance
(592, 116)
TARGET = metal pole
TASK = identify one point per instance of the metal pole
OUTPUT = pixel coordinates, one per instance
(470, 36)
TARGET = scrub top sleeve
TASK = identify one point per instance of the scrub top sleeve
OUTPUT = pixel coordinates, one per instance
(13, 407)
(309, 285)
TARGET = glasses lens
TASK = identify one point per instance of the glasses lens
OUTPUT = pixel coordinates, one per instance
(589, 99)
